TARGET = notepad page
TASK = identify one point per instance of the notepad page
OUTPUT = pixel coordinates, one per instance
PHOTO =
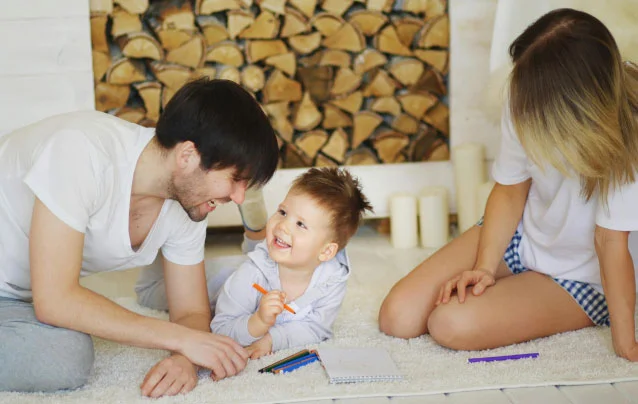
(348, 365)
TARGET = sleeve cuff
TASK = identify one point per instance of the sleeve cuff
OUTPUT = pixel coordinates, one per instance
(508, 180)
(243, 335)
(76, 225)
(278, 339)
(181, 260)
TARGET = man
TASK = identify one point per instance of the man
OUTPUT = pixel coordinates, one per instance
(86, 192)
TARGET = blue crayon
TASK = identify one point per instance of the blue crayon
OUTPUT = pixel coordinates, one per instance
(290, 366)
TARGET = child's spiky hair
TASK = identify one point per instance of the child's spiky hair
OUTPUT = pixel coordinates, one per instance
(339, 193)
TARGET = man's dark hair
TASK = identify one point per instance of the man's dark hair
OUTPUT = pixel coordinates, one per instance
(227, 126)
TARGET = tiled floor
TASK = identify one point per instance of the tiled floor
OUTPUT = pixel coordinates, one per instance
(121, 284)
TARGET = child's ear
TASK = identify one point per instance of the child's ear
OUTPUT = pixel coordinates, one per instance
(328, 252)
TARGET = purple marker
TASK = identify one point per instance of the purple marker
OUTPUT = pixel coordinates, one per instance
(504, 357)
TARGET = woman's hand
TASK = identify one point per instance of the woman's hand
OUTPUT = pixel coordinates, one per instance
(480, 278)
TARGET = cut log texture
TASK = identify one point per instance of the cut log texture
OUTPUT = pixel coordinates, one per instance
(286, 62)
(327, 23)
(101, 63)
(133, 6)
(294, 23)
(98, 32)
(333, 117)
(369, 22)
(151, 95)
(311, 142)
(343, 82)
(101, 6)
(124, 22)
(337, 146)
(306, 115)
(109, 96)
(389, 145)
(264, 27)
(336, 7)
(134, 115)
(140, 45)
(252, 77)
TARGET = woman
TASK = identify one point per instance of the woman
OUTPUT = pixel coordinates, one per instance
(531, 270)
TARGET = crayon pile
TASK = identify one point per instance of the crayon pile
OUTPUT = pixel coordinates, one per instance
(292, 362)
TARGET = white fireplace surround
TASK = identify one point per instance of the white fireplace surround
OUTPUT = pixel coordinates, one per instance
(45, 69)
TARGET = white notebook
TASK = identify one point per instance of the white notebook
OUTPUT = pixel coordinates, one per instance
(351, 365)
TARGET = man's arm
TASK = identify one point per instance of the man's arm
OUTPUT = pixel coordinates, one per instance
(187, 295)
(619, 283)
(189, 306)
(55, 253)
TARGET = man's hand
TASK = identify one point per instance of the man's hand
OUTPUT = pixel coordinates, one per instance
(260, 347)
(222, 355)
(271, 305)
(171, 376)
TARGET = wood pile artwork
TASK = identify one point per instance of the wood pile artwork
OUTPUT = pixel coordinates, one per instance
(344, 82)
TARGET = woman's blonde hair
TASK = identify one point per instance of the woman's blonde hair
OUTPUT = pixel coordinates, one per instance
(573, 102)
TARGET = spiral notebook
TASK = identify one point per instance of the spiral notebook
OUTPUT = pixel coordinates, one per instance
(351, 365)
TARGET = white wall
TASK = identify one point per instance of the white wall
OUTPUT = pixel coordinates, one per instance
(45, 60)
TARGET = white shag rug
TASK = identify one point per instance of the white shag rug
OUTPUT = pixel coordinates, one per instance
(582, 357)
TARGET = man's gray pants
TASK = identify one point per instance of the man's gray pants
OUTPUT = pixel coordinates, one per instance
(38, 357)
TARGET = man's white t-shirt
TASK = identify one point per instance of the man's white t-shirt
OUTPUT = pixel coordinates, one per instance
(81, 166)
(558, 224)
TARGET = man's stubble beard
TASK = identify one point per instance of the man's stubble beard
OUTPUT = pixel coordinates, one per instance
(179, 192)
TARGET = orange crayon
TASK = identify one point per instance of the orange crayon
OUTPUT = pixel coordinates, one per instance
(264, 291)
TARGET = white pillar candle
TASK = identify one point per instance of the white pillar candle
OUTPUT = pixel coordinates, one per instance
(403, 221)
(434, 214)
(482, 194)
(468, 160)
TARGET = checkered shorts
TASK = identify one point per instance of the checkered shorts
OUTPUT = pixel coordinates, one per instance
(588, 298)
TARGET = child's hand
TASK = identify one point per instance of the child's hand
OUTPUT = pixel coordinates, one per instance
(271, 305)
(261, 347)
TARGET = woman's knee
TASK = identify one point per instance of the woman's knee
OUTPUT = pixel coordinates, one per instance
(455, 326)
(397, 318)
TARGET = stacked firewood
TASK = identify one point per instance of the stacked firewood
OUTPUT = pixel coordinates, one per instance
(345, 82)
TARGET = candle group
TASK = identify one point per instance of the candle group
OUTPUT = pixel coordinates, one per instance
(403, 224)
(434, 214)
(472, 192)
(432, 218)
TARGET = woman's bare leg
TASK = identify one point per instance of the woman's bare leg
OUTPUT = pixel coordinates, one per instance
(516, 309)
(405, 311)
